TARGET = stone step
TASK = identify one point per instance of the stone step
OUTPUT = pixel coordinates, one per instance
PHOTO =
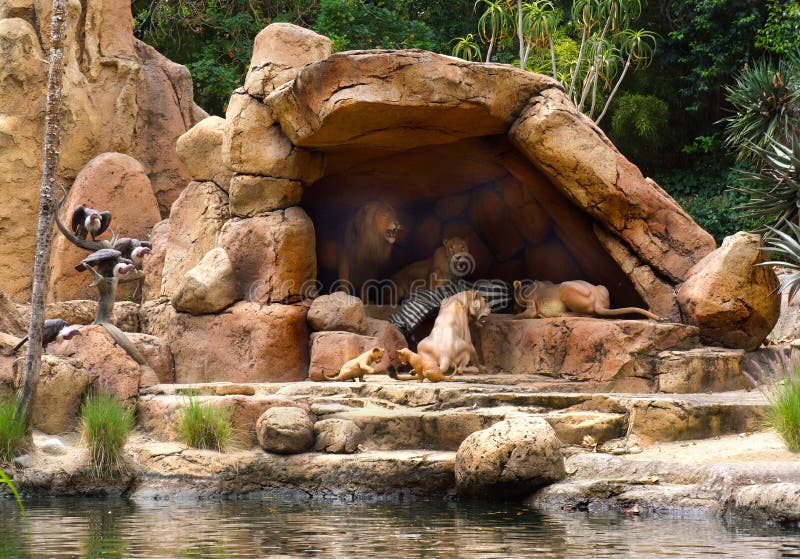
(399, 415)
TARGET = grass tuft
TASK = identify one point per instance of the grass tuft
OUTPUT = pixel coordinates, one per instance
(784, 412)
(205, 426)
(106, 425)
(13, 433)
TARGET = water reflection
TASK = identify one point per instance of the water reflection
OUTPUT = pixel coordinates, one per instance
(75, 528)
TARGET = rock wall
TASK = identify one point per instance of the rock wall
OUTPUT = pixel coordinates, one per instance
(119, 95)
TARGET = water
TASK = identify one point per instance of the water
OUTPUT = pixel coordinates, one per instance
(85, 528)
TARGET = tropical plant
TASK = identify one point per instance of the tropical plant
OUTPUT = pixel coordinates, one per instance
(202, 425)
(639, 46)
(772, 188)
(5, 480)
(496, 22)
(779, 32)
(466, 47)
(766, 105)
(106, 423)
(785, 245)
(13, 430)
(538, 22)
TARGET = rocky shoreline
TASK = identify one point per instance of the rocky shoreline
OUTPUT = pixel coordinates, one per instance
(410, 434)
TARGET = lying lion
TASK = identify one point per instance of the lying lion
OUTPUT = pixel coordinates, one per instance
(450, 344)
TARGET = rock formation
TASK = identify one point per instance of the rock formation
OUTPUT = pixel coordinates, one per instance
(119, 95)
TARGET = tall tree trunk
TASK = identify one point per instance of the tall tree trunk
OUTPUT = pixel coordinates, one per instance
(41, 265)
(520, 36)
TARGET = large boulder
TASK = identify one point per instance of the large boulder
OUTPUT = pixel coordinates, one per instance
(110, 368)
(248, 342)
(337, 311)
(255, 144)
(274, 255)
(200, 149)
(125, 315)
(110, 182)
(209, 287)
(285, 430)
(618, 355)
(337, 436)
(11, 320)
(195, 222)
(733, 301)
(62, 384)
(252, 195)
(279, 51)
(154, 264)
(119, 95)
(509, 460)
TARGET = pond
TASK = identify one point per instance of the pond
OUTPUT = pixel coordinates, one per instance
(96, 528)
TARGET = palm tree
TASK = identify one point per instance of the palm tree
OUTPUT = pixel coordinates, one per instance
(493, 24)
(41, 266)
(641, 47)
(466, 47)
(539, 22)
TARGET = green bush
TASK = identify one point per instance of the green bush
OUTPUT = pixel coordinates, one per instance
(12, 431)
(784, 411)
(639, 126)
(205, 426)
(106, 425)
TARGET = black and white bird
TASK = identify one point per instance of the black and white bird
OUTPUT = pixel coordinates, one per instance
(107, 262)
(86, 221)
(55, 330)
(133, 249)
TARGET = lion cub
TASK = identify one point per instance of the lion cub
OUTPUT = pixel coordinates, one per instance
(422, 367)
(355, 369)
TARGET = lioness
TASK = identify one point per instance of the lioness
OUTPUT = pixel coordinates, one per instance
(450, 344)
(543, 299)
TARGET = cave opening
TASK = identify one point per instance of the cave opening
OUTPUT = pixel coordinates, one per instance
(516, 223)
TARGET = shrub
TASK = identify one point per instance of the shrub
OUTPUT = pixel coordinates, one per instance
(12, 431)
(784, 411)
(106, 425)
(205, 426)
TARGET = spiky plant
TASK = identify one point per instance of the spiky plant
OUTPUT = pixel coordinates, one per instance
(106, 424)
(766, 106)
(773, 187)
(786, 246)
(202, 425)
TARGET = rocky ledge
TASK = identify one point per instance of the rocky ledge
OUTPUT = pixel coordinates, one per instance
(696, 454)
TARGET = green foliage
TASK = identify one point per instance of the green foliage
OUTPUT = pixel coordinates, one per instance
(362, 24)
(782, 28)
(766, 105)
(213, 38)
(5, 480)
(106, 424)
(639, 125)
(13, 432)
(773, 186)
(205, 426)
(785, 245)
(710, 41)
(704, 192)
(784, 410)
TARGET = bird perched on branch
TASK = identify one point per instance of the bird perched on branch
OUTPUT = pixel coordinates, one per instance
(86, 221)
(55, 330)
(107, 263)
(133, 249)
